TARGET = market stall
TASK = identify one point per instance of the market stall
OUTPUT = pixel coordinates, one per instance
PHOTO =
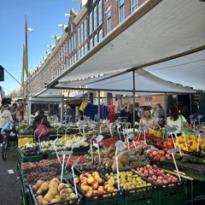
(119, 166)
(99, 167)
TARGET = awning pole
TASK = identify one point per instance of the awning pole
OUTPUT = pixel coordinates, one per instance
(61, 110)
(98, 106)
(165, 105)
(133, 101)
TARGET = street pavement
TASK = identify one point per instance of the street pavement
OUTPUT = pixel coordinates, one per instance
(10, 193)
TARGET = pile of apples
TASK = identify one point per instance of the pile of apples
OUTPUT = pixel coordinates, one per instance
(52, 191)
(159, 155)
(128, 180)
(157, 176)
(93, 185)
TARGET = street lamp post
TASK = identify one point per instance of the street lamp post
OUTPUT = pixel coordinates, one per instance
(25, 66)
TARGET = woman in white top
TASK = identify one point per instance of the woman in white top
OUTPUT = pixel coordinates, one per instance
(176, 120)
(147, 121)
(5, 115)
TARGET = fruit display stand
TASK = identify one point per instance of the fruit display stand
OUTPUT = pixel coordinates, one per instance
(136, 190)
(157, 194)
(169, 188)
(53, 192)
(23, 158)
(31, 172)
(31, 152)
(96, 189)
(25, 194)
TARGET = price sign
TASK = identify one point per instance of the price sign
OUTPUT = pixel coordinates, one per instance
(99, 138)
(120, 145)
(130, 136)
(175, 150)
(54, 146)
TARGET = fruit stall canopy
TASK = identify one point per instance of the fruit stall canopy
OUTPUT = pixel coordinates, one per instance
(187, 70)
(157, 32)
(145, 84)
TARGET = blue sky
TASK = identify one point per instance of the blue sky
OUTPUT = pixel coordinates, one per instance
(43, 16)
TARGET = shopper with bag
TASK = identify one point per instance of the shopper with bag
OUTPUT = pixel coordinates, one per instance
(40, 126)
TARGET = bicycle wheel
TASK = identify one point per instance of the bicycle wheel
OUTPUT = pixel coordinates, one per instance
(4, 148)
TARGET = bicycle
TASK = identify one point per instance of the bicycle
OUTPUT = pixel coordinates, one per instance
(5, 145)
(8, 134)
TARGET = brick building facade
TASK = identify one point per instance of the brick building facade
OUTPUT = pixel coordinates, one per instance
(95, 20)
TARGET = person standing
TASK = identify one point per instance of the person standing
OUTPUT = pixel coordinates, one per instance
(159, 114)
(41, 125)
(176, 120)
(147, 121)
(16, 114)
(6, 120)
(111, 113)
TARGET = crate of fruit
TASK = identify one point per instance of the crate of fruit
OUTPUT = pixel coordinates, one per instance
(53, 192)
(31, 157)
(96, 189)
(136, 189)
(169, 187)
(41, 173)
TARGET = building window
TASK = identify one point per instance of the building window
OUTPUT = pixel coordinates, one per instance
(85, 29)
(71, 45)
(91, 23)
(134, 5)
(95, 18)
(100, 35)
(91, 43)
(121, 4)
(82, 33)
(74, 41)
(95, 39)
(109, 21)
(79, 36)
(86, 48)
(100, 13)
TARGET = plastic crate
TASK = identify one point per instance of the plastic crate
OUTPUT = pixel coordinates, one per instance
(26, 197)
(196, 193)
(24, 139)
(140, 196)
(22, 158)
(67, 202)
(25, 194)
(115, 200)
(176, 195)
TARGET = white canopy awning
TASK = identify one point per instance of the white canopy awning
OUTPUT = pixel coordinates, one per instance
(188, 70)
(144, 82)
(46, 93)
(158, 31)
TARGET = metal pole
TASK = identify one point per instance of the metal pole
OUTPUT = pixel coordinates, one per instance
(133, 72)
(165, 104)
(62, 110)
(29, 112)
(99, 106)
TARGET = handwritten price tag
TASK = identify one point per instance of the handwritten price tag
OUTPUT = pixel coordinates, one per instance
(99, 138)
(120, 145)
